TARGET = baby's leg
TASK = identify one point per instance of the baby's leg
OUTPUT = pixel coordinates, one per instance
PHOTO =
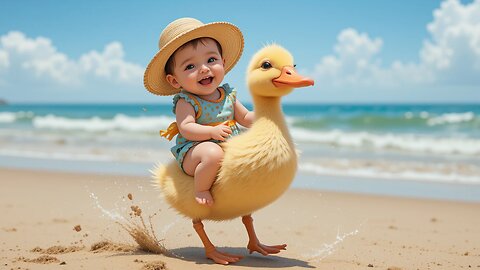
(202, 162)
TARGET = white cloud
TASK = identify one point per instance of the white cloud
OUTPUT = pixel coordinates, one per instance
(453, 52)
(38, 59)
(4, 60)
(110, 64)
(451, 55)
(352, 45)
(355, 61)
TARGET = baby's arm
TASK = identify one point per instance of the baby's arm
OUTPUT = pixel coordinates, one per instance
(190, 130)
(242, 115)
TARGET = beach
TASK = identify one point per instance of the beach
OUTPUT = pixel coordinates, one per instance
(50, 220)
(377, 187)
(374, 165)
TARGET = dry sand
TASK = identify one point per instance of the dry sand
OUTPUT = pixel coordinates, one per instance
(52, 220)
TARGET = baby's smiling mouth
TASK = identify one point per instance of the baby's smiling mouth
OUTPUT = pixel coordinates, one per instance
(206, 81)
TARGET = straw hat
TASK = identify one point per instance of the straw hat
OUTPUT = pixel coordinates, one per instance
(182, 31)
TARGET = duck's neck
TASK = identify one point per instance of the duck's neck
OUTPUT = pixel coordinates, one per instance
(270, 108)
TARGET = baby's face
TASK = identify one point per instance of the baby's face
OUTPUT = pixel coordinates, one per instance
(198, 70)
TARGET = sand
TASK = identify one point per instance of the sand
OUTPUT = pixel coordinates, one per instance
(53, 220)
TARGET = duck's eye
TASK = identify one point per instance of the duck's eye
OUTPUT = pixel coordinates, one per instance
(266, 65)
(294, 65)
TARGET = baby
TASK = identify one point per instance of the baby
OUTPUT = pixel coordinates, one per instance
(192, 62)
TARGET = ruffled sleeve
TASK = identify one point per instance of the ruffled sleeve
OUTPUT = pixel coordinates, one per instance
(187, 98)
(230, 92)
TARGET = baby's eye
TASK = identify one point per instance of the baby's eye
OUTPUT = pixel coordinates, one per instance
(212, 59)
(189, 67)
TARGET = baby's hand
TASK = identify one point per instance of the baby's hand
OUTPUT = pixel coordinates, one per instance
(220, 132)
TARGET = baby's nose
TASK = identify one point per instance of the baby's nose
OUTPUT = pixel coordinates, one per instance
(204, 68)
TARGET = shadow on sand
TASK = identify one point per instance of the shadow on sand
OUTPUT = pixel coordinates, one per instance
(197, 255)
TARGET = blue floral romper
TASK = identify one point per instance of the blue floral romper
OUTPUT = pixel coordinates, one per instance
(207, 112)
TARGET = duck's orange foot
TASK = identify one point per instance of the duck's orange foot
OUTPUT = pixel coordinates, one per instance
(221, 257)
(264, 249)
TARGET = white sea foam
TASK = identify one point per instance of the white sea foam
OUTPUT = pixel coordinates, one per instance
(97, 124)
(10, 117)
(7, 117)
(291, 120)
(48, 154)
(413, 143)
(451, 118)
(392, 173)
(424, 115)
(404, 142)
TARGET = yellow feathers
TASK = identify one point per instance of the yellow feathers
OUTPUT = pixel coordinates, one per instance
(258, 165)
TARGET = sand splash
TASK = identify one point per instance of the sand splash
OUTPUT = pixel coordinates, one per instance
(112, 215)
(329, 248)
(136, 227)
(143, 235)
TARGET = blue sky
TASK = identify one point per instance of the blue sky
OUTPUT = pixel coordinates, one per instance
(357, 51)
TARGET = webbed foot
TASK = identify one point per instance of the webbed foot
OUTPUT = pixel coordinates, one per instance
(254, 244)
(210, 251)
(222, 257)
(264, 249)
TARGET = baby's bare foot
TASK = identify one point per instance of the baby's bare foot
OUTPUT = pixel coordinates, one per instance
(204, 197)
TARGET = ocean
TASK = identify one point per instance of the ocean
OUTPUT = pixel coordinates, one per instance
(430, 151)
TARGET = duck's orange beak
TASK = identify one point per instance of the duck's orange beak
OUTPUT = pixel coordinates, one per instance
(289, 77)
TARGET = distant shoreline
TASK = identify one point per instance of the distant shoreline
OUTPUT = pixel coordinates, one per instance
(246, 103)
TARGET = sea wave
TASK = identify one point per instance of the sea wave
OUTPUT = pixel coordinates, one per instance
(380, 172)
(304, 130)
(10, 117)
(48, 154)
(403, 142)
(7, 117)
(96, 124)
(451, 118)
(422, 121)
(373, 121)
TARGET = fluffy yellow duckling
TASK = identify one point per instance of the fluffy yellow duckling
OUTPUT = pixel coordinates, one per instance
(258, 165)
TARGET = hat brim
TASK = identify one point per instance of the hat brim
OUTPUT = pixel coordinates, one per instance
(227, 34)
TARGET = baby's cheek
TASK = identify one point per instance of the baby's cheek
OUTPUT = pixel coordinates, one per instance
(221, 67)
(192, 76)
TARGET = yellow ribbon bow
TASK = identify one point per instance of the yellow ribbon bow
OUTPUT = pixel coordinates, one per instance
(172, 129)
(170, 132)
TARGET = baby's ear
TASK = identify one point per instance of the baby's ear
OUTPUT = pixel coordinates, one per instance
(223, 60)
(172, 81)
